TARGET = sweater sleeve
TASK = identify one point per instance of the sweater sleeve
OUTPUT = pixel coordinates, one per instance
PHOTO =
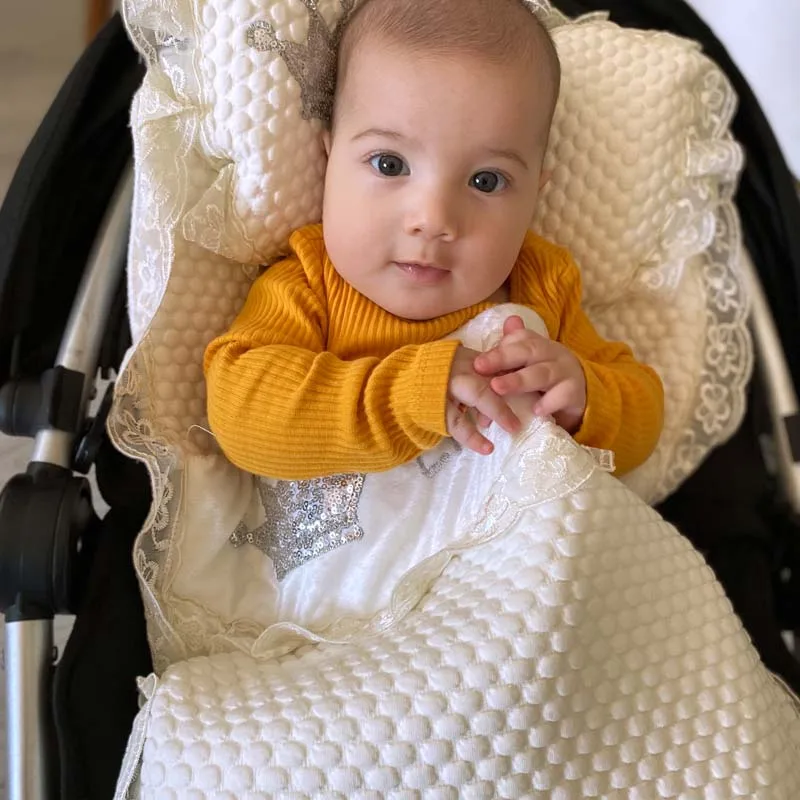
(625, 398)
(280, 405)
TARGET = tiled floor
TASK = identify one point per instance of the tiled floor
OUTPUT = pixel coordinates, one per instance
(39, 42)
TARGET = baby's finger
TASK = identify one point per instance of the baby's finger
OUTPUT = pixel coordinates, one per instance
(507, 356)
(560, 397)
(512, 325)
(463, 430)
(495, 408)
(482, 420)
(534, 378)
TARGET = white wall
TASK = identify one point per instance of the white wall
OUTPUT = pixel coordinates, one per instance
(763, 38)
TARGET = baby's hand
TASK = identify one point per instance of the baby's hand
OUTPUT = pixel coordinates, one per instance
(469, 390)
(525, 362)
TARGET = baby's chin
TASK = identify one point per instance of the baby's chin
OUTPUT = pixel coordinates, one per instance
(422, 304)
(417, 312)
(417, 309)
(414, 307)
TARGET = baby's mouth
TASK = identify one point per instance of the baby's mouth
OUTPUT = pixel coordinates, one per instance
(420, 272)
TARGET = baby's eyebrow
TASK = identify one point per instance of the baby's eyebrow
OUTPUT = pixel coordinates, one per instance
(383, 132)
(511, 155)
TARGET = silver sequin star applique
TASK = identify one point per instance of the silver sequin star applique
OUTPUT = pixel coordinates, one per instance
(304, 519)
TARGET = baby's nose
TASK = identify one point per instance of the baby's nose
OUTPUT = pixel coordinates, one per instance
(433, 215)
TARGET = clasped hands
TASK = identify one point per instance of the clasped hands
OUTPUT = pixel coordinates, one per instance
(523, 363)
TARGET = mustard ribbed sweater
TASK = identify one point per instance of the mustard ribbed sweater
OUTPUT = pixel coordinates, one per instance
(314, 379)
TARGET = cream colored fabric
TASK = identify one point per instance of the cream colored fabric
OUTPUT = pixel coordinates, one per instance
(566, 643)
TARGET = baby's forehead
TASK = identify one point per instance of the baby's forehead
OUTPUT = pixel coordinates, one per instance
(431, 99)
(531, 67)
(523, 70)
(521, 77)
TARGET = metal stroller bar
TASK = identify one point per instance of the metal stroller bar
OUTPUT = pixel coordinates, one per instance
(781, 397)
(35, 598)
(80, 347)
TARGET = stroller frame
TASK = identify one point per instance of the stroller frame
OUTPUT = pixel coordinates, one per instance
(46, 510)
(781, 397)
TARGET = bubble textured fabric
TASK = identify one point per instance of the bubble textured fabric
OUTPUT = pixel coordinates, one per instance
(588, 652)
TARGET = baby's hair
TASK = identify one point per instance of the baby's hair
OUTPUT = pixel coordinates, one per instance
(504, 31)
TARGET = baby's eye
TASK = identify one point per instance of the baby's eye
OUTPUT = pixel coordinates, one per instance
(488, 182)
(389, 165)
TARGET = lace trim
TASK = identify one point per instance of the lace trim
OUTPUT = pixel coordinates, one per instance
(132, 433)
(162, 193)
(704, 236)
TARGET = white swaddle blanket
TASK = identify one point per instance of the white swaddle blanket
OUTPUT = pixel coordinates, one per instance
(516, 625)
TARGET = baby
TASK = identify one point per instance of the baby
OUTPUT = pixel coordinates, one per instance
(337, 363)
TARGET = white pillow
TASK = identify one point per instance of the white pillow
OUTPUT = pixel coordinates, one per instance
(227, 164)
(644, 169)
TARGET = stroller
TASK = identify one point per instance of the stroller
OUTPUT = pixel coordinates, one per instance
(69, 722)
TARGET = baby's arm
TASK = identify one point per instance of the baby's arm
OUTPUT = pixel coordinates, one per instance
(595, 389)
(624, 398)
(280, 405)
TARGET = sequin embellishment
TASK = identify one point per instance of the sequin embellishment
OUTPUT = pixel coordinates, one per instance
(304, 519)
(312, 63)
(431, 467)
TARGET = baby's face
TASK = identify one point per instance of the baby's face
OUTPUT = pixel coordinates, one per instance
(433, 174)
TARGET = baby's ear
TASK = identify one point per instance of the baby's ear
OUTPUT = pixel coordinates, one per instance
(326, 141)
